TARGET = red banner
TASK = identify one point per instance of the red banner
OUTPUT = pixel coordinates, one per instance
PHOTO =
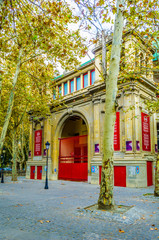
(145, 120)
(38, 143)
(117, 132)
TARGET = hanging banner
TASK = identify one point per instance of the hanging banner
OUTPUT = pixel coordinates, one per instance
(145, 120)
(117, 132)
(38, 143)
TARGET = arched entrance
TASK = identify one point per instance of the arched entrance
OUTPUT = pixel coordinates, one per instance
(73, 150)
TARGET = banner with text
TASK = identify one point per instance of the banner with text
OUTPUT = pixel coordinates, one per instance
(146, 143)
(117, 132)
(38, 143)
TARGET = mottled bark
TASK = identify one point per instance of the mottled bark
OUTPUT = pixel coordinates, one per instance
(14, 159)
(106, 200)
(10, 104)
(156, 192)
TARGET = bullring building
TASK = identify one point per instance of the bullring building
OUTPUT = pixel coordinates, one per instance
(75, 130)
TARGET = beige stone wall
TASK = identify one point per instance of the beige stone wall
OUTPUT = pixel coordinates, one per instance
(88, 105)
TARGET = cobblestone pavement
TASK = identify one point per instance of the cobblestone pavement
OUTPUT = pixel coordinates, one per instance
(29, 212)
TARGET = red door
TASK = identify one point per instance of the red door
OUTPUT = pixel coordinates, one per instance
(100, 174)
(73, 160)
(32, 172)
(149, 173)
(120, 176)
(39, 172)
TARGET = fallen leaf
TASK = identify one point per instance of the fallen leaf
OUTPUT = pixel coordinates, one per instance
(48, 221)
(151, 215)
(151, 229)
(20, 205)
(119, 206)
(124, 217)
(143, 218)
(153, 225)
(154, 212)
(156, 228)
(121, 231)
(78, 207)
(61, 203)
(41, 221)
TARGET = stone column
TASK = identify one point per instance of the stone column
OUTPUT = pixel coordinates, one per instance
(47, 137)
(89, 78)
(98, 67)
(81, 80)
(96, 161)
(128, 122)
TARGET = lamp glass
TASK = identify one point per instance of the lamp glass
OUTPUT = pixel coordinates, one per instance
(47, 144)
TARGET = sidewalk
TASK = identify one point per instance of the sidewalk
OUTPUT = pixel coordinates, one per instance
(29, 212)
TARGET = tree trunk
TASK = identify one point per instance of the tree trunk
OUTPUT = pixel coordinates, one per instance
(10, 104)
(156, 192)
(106, 200)
(14, 164)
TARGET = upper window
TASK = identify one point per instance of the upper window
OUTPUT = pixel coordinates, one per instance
(65, 88)
(72, 86)
(85, 80)
(60, 90)
(92, 77)
(54, 94)
(78, 83)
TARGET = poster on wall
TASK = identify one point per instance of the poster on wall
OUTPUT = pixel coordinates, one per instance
(38, 143)
(146, 143)
(117, 132)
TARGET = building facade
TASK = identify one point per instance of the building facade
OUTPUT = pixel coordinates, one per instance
(75, 130)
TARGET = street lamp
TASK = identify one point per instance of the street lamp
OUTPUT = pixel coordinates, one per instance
(47, 144)
(2, 177)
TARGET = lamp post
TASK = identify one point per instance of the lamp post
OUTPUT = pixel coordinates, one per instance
(47, 144)
(2, 177)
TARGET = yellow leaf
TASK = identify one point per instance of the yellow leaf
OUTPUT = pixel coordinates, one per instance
(121, 231)
(48, 221)
(124, 217)
(61, 203)
(41, 221)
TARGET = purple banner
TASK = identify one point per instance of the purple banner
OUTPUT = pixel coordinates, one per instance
(29, 153)
(44, 152)
(137, 145)
(156, 148)
(96, 148)
(128, 145)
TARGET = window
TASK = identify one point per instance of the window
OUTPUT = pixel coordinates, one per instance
(72, 86)
(78, 83)
(65, 88)
(85, 80)
(141, 62)
(54, 94)
(92, 77)
(60, 90)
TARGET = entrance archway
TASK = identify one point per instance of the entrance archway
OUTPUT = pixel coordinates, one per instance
(73, 150)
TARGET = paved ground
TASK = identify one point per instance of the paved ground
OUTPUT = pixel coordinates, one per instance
(28, 212)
